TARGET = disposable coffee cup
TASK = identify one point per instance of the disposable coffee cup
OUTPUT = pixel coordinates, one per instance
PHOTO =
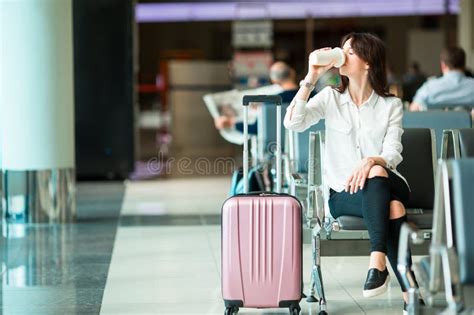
(325, 57)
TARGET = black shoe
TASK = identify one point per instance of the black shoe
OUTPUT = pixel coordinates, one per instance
(376, 282)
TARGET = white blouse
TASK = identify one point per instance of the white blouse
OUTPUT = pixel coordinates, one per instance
(352, 133)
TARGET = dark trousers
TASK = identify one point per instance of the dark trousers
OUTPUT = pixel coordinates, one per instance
(373, 205)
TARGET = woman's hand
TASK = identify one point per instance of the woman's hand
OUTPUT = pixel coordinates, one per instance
(314, 71)
(357, 180)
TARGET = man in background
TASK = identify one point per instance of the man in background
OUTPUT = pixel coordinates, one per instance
(281, 74)
(453, 88)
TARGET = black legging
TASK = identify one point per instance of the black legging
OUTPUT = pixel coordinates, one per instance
(373, 205)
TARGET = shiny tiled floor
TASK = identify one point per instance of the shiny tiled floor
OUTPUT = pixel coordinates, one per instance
(176, 270)
(171, 265)
(161, 256)
(61, 269)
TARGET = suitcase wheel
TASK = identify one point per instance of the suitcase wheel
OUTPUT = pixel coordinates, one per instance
(231, 310)
(295, 310)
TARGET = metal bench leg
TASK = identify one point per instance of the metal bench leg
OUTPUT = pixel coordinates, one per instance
(311, 298)
(316, 274)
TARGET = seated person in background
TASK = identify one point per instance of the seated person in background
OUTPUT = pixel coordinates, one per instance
(453, 88)
(412, 80)
(393, 83)
(281, 74)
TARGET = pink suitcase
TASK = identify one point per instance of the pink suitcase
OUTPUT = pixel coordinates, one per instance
(262, 241)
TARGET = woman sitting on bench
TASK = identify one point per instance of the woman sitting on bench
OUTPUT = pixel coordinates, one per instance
(363, 148)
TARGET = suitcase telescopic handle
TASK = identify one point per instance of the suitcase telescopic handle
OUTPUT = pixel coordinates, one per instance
(269, 99)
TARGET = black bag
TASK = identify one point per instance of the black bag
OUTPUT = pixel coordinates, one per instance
(260, 179)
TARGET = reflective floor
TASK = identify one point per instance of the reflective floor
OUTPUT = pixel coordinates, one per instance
(149, 248)
(62, 269)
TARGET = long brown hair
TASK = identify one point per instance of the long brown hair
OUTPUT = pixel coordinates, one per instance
(371, 49)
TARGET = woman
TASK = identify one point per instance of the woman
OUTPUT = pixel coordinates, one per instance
(363, 148)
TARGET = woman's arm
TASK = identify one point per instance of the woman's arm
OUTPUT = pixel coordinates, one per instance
(391, 154)
(357, 180)
(304, 92)
(376, 160)
(392, 142)
(301, 114)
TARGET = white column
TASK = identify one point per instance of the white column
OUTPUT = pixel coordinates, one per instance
(36, 84)
(466, 30)
(37, 101)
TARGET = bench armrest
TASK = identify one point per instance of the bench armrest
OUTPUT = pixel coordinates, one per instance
(315, 206)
